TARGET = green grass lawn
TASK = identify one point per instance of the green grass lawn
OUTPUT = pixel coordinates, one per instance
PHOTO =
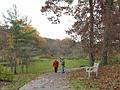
(40, 66)
(45, 65)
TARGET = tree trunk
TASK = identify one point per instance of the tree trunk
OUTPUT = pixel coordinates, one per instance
(119, 4)
(11, 64)
(104, 60)
(105, 48)
(91, 35)
(15, 67)
(22, 68)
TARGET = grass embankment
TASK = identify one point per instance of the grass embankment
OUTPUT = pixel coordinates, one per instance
(38, 67)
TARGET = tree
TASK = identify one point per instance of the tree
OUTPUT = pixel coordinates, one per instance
(81, 17)
(91, 34)
(25, 41)
(105, 35)
(3, 42)
(96, 22)
(111, 25)
(14, 23)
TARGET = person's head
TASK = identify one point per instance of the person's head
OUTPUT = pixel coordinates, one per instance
(55, 60)
(61, 57)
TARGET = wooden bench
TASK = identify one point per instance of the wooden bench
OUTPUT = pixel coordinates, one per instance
(93, 69)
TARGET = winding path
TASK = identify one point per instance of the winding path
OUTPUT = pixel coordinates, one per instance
(51, 81)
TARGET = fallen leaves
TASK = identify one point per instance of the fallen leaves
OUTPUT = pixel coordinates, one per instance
(108, 78)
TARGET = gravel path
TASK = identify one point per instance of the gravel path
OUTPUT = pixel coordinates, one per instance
(51, 81)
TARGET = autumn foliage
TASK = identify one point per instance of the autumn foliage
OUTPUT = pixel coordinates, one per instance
(108, 79)
(97, 25)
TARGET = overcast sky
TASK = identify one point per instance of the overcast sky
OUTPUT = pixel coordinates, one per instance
(31, 8)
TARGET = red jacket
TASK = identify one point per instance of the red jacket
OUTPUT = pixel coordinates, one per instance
(55, 63)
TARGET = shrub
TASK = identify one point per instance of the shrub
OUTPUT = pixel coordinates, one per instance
(5, 73)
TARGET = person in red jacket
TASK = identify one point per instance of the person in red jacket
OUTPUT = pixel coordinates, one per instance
(55, 65)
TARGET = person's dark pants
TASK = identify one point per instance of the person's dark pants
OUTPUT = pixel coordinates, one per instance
(55, 69)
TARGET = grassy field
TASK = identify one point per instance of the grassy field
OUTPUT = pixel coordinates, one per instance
(40, 66)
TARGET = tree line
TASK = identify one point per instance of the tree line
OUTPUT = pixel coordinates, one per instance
(62, 48)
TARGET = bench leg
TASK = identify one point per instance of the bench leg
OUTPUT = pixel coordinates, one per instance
(96, 73)
(89, 74)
